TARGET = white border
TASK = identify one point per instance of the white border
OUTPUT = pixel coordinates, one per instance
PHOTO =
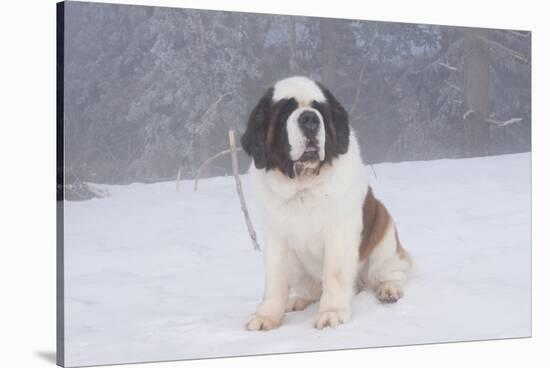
(27, 154)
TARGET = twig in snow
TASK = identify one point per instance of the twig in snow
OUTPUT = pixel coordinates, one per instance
(235, 166)
(178, 177)
(100, 193)
(180, 168)
(373, 171)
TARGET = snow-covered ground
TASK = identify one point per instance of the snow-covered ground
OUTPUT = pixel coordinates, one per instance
(155, 274)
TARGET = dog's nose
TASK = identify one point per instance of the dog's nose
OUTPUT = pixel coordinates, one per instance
(309, 122)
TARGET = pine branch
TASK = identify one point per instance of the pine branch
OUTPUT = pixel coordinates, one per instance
(504, 123)
(445, 65)
(508, 50)
(515, 33)
(520, 34)
(453, 86)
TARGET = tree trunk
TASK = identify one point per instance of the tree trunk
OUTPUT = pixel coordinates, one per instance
(292, 67)
(328, 52)
(476, 92)
(204, 150)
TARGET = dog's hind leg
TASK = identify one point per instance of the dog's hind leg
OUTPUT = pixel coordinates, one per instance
(387, 267)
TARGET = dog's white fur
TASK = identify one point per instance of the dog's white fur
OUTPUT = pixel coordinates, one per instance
(312, 228)
(302, 89)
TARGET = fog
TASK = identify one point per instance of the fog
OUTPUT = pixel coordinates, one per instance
(148, 90)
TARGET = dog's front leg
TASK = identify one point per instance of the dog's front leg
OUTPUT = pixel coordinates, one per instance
(270, 312)
(339, 274)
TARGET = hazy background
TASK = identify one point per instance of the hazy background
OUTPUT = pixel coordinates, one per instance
(150, 89)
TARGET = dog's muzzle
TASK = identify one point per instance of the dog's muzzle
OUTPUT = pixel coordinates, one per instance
(309, 124)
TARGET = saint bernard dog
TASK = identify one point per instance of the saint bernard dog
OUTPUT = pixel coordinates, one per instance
(326, 236)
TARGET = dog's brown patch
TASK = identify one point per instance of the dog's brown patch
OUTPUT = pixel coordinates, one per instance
(376, 220)
(274, 120)
(277, 148)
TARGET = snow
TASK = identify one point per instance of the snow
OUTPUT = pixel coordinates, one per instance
(154, 274)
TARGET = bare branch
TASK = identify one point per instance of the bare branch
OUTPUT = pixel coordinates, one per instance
(515, 33)
(178, 177)
(500, 46)
(445, 65)
(358, 90)
(211, 107)
(208, 160)
(467, 113)
(453, 86)
(504, 123)
(520, 34)
(180, 168)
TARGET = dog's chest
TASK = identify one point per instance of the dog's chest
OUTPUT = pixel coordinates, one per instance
(306, 226)
(309, 252)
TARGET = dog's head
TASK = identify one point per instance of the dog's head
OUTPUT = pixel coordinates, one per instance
(296, 127)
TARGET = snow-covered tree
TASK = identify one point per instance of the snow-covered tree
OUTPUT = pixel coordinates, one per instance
(149, 90)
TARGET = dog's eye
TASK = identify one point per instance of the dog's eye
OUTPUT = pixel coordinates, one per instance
(291, 102)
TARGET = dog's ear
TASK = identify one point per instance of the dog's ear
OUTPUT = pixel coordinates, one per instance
(254, 138)
(340, 120)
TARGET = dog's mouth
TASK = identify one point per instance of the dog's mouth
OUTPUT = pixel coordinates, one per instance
(311, 152)
(308, 164)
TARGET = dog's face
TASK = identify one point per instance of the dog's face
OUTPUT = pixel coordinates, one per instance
(296, 127)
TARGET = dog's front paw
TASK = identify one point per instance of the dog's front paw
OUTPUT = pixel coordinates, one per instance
(258, 322)
(389, 292)
(331, 318)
